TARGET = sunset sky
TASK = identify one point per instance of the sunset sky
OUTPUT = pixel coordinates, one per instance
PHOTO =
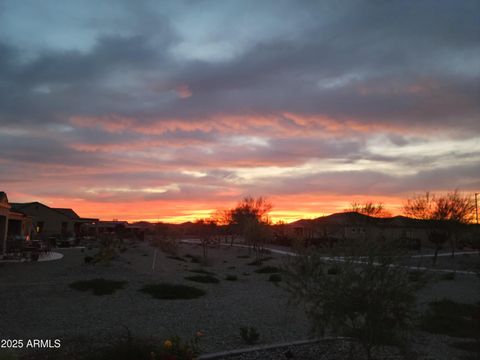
(169, 110)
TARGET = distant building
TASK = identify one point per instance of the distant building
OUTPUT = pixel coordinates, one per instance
(13, 225)
(351, 226)
(47, 221)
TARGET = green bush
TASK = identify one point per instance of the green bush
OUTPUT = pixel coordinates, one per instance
(231, 277)
(168, 291)
(250, 335)
(98, 286)
(203, 279)
(367, 299)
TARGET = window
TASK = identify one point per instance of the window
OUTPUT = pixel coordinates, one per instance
(39, 227)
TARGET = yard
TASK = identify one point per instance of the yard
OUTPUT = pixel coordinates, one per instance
(56, 300)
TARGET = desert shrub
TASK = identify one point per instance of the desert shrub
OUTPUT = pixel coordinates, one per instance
(195, 259)
(175, 348)
(98, 286)
(260, 261)
(275, 278)
(448, 276)
(201, 271)
(178, 258)
(243, 256)
(367, 299)
(172, 291)
(108, 249)
(203, 279)
(7, 355)
(231, 268)
(249, 335)
(470, 346)
(334, 270)
(88, 259)
(231, 277)
(268, 270)
(126, 348)
(167, 245)
(451, 318)
(415, 275)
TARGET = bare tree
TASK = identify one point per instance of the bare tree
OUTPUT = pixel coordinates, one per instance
(369, 208)
(206, 230)
(447, 213)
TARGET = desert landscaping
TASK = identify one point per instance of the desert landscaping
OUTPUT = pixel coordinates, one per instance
(239, 288)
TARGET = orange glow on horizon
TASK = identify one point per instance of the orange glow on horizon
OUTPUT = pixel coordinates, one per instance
(285, 208)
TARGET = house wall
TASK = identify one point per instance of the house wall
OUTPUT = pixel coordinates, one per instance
(48, 221)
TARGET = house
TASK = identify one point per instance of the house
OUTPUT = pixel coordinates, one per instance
(13, 225)
(48, 222)
(355, 226)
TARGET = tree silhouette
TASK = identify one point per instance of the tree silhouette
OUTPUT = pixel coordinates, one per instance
(447, 214)
(250, 218)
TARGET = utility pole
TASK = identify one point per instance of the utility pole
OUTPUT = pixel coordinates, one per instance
(476, 206)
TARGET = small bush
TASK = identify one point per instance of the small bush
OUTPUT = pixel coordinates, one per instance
(168, 291)
(246, 274)
(275, 278)
(175, 348)
(174, 257)
(448, 276)
(333, 270)
(260, 261)
(250, 335)
(415, 276)
(7, 355)
(470, 346)
(231, 277)
(195, 260)
(268, 270)
(451, 318)
(201, 271)
(126, 348)
(203, 279)
(98, 286)
(231, 267)
(166, 245)
(243, 256)
(88, 260)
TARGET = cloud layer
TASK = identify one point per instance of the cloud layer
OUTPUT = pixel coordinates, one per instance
(145, 110)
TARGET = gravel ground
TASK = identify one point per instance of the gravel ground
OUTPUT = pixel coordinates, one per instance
(37, 303)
